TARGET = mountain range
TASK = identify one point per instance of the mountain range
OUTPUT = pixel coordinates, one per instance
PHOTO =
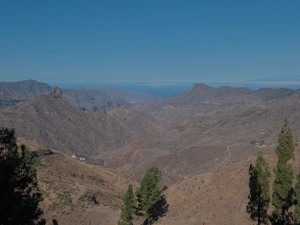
(193, 137)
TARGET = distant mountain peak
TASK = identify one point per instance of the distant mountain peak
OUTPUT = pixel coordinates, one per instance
(202, 87)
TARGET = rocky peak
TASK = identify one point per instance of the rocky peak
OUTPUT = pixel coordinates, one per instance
(203, 88)
(56, 93)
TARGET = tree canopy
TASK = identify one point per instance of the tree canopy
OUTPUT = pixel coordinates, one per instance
(259, 197)
(149, 193)
(284, 197)
(129, 207)
(283, 192)
(19, 194)
(297, 205)
(285, 148)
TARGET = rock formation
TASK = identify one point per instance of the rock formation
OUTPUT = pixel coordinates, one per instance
(56, 93)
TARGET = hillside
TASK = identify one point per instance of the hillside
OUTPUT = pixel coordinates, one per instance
(205, 101)
(203, 140)
(216, 197)
(185, 134)
(75, 192)
(12, 93)
(90, 98)
(198, 126)
(141, 122)
(129, 96)
(54, 122)
(78, 193)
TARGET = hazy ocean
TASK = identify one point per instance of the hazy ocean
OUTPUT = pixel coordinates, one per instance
(159, 90)
(165, 90)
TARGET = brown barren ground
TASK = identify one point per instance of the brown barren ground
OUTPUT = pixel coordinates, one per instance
(216, 197)
(78, 193)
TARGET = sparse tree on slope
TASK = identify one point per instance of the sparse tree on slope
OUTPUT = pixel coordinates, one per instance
(129, 208)
(283, 193)
(19, 195)
(259, 197)
(149, 194)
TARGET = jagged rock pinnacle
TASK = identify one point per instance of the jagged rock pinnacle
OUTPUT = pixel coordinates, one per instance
(56, 93)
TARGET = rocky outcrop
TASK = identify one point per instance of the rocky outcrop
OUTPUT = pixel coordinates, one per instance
(56, 93)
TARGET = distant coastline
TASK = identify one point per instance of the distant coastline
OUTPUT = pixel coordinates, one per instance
(167, 89)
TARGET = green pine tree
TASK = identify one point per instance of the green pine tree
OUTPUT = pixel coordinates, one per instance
(285, 148)
(297, 205)
(19, 195)
(283, 193)
(259, 197)
(149, 193)
(129, 208)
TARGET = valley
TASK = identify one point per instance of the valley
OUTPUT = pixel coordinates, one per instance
(203, 141)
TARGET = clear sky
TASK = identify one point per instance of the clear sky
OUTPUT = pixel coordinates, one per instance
(148, 41)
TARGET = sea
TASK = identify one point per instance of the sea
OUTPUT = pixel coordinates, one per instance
(164, 90)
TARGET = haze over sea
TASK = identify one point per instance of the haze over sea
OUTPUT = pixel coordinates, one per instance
(166, 89)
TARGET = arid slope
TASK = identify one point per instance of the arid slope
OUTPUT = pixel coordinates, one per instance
(56, 123)
(75, 192)
(216, 197)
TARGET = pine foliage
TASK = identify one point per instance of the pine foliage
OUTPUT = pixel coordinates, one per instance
(259, 197)
(19, 195)
(297, 205)
(149, 193)
(285, 148)
(129, 208)
(283, 193)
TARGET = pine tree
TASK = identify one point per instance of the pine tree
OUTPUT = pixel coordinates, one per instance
(285, 148)
(19, 195)
(283, 193)
(259, 197)
(297, 205)
(129, 208)
(149, 194)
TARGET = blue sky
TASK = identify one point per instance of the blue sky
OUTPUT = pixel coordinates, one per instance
(148, 41)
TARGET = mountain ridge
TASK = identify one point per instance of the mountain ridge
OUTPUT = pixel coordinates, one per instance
(12, 93)
(55, 122)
